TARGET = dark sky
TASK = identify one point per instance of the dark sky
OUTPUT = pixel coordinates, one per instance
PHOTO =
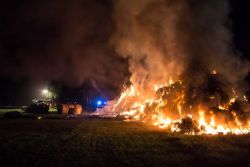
(241, 26)
(59, 40)
(68, 41)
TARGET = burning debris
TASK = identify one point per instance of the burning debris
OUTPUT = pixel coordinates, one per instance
(192, 43)
(206, 109)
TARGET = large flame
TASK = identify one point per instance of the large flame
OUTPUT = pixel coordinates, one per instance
(168, 109)
(171, 38)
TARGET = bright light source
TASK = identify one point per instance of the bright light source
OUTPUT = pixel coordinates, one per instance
(39, 117)
(99, 102)
(45, 91)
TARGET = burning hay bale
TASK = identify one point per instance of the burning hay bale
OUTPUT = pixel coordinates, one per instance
(206, 108)
(187, 125)
(207, 75)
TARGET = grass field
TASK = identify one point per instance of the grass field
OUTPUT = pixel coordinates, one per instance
(96, 142)
(5, 110)
(11, 109)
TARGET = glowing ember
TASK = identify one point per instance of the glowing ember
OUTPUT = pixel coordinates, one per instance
(171, 109)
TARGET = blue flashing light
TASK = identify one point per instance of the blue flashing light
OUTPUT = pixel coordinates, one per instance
(99, 102)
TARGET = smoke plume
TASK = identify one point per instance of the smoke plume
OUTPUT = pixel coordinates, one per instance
(179, 39)
(105, 40)
(61, 40)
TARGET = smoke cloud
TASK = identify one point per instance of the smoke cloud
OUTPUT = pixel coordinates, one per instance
(61, 40)
(182, 39)
(104, 41)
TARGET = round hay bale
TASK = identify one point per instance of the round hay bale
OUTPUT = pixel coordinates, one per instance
(75, 109)
(63, 109)
(78, 109)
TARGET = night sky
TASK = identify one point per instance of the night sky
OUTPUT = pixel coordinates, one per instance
(67, 42)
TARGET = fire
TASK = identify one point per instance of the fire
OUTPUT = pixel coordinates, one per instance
(169, 109)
